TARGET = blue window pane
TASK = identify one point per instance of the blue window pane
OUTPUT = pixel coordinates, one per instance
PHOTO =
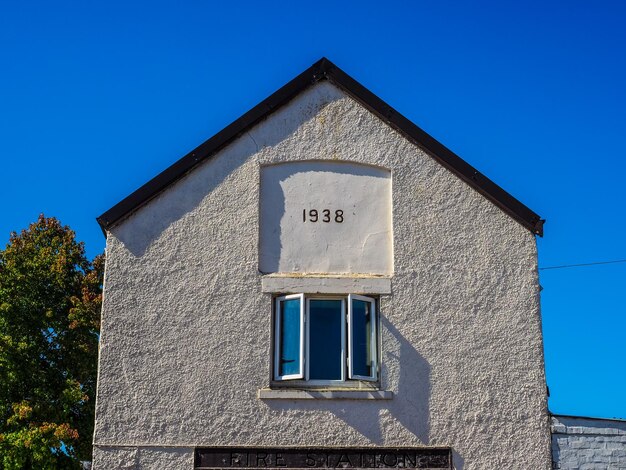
(362, 352)
(325, 341)
(289, 359)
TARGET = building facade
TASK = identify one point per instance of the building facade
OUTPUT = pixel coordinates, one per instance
(321, 284)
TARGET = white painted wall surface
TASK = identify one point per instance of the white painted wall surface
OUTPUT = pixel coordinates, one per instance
(186, 328)
(325, 217)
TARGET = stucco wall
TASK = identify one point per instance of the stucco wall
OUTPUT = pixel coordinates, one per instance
(588, 444)
(186, 328)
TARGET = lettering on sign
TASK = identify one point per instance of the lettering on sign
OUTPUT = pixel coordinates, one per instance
(338, 458)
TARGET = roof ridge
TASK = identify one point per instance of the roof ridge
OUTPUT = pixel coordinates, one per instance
(324, 69)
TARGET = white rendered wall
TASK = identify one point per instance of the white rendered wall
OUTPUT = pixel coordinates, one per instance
(186, 328)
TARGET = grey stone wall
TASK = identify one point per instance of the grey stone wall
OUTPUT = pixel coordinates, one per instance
(186, 326)
(588, 444)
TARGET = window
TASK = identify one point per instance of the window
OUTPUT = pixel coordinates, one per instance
(325, 340)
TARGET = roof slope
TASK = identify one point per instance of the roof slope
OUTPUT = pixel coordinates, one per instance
(326, 70)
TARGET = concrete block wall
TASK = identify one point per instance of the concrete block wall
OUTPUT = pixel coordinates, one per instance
(588, 444)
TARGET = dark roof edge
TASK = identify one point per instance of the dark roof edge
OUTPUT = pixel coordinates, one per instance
(324, 69)
(207, 149)
(592, 418)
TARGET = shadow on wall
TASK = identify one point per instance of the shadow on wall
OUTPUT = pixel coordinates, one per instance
(183, 197)
(371, 418)
(457, 461)
(179, 199)
(412, 393)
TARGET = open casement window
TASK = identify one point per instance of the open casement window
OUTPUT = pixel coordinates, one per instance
(289, 331)
(362, 338)
(325, 340)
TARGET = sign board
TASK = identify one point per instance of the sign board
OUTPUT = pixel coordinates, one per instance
(325, 217)
(426, 458)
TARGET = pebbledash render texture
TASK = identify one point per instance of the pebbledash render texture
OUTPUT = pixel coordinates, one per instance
(188, 324)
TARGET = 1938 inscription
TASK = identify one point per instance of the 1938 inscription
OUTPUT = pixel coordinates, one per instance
(323, 215)
(336, 458)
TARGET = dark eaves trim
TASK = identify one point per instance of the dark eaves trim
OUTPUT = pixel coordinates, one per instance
(591, 418)
(325, 70)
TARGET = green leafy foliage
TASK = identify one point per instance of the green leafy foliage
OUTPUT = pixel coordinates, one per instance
(50, 299)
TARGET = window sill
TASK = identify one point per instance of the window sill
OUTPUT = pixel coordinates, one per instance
(318, 284)
(294, 394)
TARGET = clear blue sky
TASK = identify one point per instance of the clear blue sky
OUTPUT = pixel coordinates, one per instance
(98, 97)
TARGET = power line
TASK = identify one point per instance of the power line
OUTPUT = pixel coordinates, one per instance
(583, 264)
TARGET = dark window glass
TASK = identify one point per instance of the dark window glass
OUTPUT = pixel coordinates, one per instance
(325, 340)
(289, 361)
(362, 353)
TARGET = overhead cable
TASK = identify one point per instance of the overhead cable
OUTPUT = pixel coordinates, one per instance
(583, 264)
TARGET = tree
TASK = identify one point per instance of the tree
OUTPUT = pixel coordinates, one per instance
(50, 299)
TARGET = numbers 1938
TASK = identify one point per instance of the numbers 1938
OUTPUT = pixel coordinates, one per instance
(325, 215)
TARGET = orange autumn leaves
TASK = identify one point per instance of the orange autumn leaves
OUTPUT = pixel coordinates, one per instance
(50, 299)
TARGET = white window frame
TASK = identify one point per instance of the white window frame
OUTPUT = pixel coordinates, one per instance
(373, 339)
(347, 377)
(277, 337)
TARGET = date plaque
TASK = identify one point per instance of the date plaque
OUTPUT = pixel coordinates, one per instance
(325, 217)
